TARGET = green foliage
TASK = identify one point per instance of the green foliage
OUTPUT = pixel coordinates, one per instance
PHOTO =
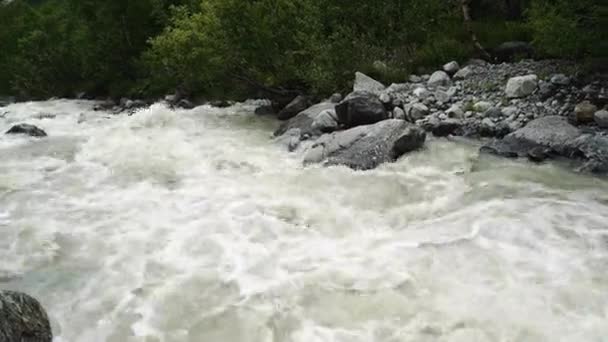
(229, 47)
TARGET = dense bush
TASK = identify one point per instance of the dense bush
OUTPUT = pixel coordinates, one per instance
(231, 47)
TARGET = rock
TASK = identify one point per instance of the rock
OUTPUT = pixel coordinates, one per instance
(538, 154)
(442, 96)
(297, 105)
(366, 147)
(303, 121)
(360, 109)
(601, 118)
(509, 111)
(27, 129)
(482, 106)
(551, 132)
(421, 93)
(335, 98)
(546, 90)
(185, 104)
(584, 112)
(171, 98)
(594, 150)
(385, 99)
(417, 111)
(510, 51)
(399, 113)
(493, 112)
(455, 112)
(444, 128)
(463, 73)
(219, 103)
(326, 121)
(521, 86)
(6, 100)
(439, 78)
(487, 128)
(23, 319)
(415, 79)
(364, 83)
(560, 80)
(451, 67)
(265, 109)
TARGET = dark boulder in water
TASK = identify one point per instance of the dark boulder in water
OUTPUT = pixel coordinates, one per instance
(22, 319)
(27, 129)
(361, 108)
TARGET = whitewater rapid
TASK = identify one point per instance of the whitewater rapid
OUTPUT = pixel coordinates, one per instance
(194, 225)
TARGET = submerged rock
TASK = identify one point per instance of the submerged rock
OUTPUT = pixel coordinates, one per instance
(27, 129)
(366, 147)
(361, 109)
(22, 319)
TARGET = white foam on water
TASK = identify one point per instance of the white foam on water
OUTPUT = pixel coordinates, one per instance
(193, 225)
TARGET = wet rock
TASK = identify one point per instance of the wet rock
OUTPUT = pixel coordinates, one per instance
(185, 104)
(219, 103)
(538, 154)
(364, 83)
(521, 86)
(584, 112)
(326, 121)
(297, 105)
(451, 67)
(601, 118)
(304, 120)
(360, 109)
(551, 132)
(366, 147)
(594, 151)
(22, 319)
(265, 109)
(444, 128)
(27, 129)
(439, 78)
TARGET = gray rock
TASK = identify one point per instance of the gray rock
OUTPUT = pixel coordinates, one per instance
(23, 319)
(521, 86)
(399, 114)
(493, 112)
(297, 105)
(265, 109)
(326, 121)
(455, 112)
(560, 79)
(442, 96)
(360, 109)
(439, 78)
(487, 128)
(509, 111)
(601, 118)
(444, 128)
(415, 79)
(364, 83)
(335, 98)
(421, 93)
(594, 150)
(551, 132)
(463, 73)
(27, 129)
(584, 112)
(417, 111)
(546, 90)
(451, 67)
(482, 106)
(303, 121)
(366, 147)
(385, 98)
(183, 103)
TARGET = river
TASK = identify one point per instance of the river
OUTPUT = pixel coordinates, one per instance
(193, 225)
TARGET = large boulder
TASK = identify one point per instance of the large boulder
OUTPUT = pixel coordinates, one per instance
(366, 147)
(521, 86)
(364, 83)
(552, 133)
(27, 129)
(360, 109)
(594, 151)
(303, 122)
(326, 121)
(297, 105)
(22, 319)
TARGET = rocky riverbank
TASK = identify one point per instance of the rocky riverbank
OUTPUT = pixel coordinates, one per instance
(536, 109)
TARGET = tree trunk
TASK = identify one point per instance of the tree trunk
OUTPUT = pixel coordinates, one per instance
(466, 13)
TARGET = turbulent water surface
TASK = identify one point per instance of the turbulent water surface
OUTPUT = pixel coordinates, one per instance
(196, 226)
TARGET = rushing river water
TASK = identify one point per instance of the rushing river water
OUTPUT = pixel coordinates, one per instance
(195, 226)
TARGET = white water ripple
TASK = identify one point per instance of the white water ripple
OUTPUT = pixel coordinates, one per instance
(193, 225)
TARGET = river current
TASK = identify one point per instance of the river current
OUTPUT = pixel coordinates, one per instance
(194, 225)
